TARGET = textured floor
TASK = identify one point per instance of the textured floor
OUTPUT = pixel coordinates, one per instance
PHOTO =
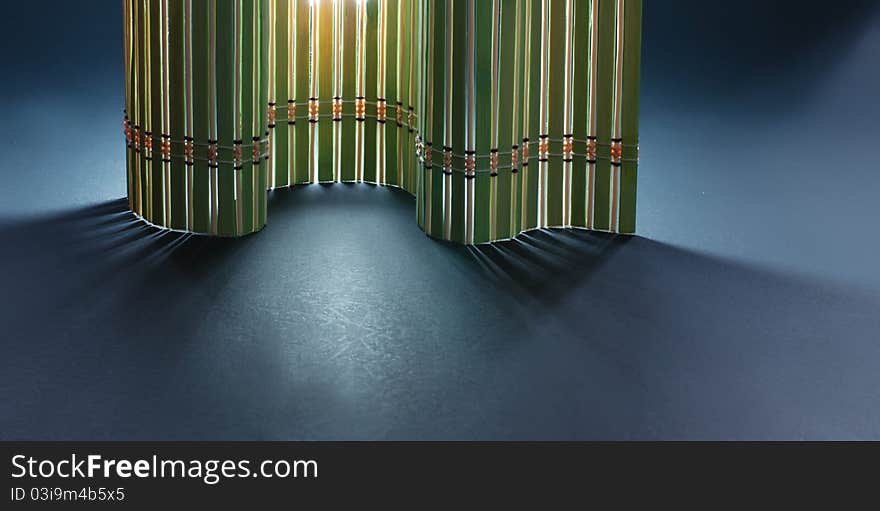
(341, 320)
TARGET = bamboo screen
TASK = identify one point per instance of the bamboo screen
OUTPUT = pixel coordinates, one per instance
(500, 116)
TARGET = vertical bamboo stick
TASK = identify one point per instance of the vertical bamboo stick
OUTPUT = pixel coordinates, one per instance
(568, 137)
(630, 115)
(544, 129)
(147, 111)
(449, 121)
(391, 61)
(348, 89)
(532, 115)
(189, 110)
(404, 30)
(483, 22)
(202, 111)
(281, 24)
(325, 90)
(617, 119)
(360, 96)
(337, 105)
(519, 119)
(556, 81)
(260, 153)
(506, 134)
(580, 42)
(371, 80)
(128, 115)
(240, 26)
(157, 112)
(165, 136)
(420, 64)
(272, 88)
(592, 119)
(604, 59)
(381, 100)
(495, 129)
(248, 115)
(439, 27)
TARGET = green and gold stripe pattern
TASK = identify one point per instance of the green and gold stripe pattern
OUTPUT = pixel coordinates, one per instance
(499, 116)
(531, 110)
(349, 69)
(196, 89)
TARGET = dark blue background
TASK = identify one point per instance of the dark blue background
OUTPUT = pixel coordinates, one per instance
(747, 308)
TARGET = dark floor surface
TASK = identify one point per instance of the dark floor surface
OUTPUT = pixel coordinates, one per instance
(342, 320)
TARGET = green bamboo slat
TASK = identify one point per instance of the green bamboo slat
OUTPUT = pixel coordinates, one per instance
(630, 124)
(157, 178)
(166, 114)
(127, 98)
(314, 92)
(438, 109)
(201, 108)
(349, 90)
(418, 93)
(604, 113)
(325, 91)
(280, 137)
(428, 111)
(146, 110)
(580, 116)
(519, 119)
(301, 152)
(248, 69)
(143, 108)
(419, 190)
(483, 118)
(459, 117)
(371, 76)
(138, 109)
(391, 92)
(419, 70)
(408, 153)
(128, 40)
(226, 115)
(401, 34)
(254, 103)
(404, 144)
(533, 99)
(507, 134)
(177, 98)
(262, 121)
(557, 104)
(419, 112)
(146, 117)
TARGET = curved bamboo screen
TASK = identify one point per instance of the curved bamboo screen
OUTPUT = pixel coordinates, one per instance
(196, 86)
(500, 116)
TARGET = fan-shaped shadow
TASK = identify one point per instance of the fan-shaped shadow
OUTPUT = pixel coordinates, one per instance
(545, 264)
(342, 320)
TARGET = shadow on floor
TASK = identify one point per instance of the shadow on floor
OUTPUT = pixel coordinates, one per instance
(342, 320)
(545, 264)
